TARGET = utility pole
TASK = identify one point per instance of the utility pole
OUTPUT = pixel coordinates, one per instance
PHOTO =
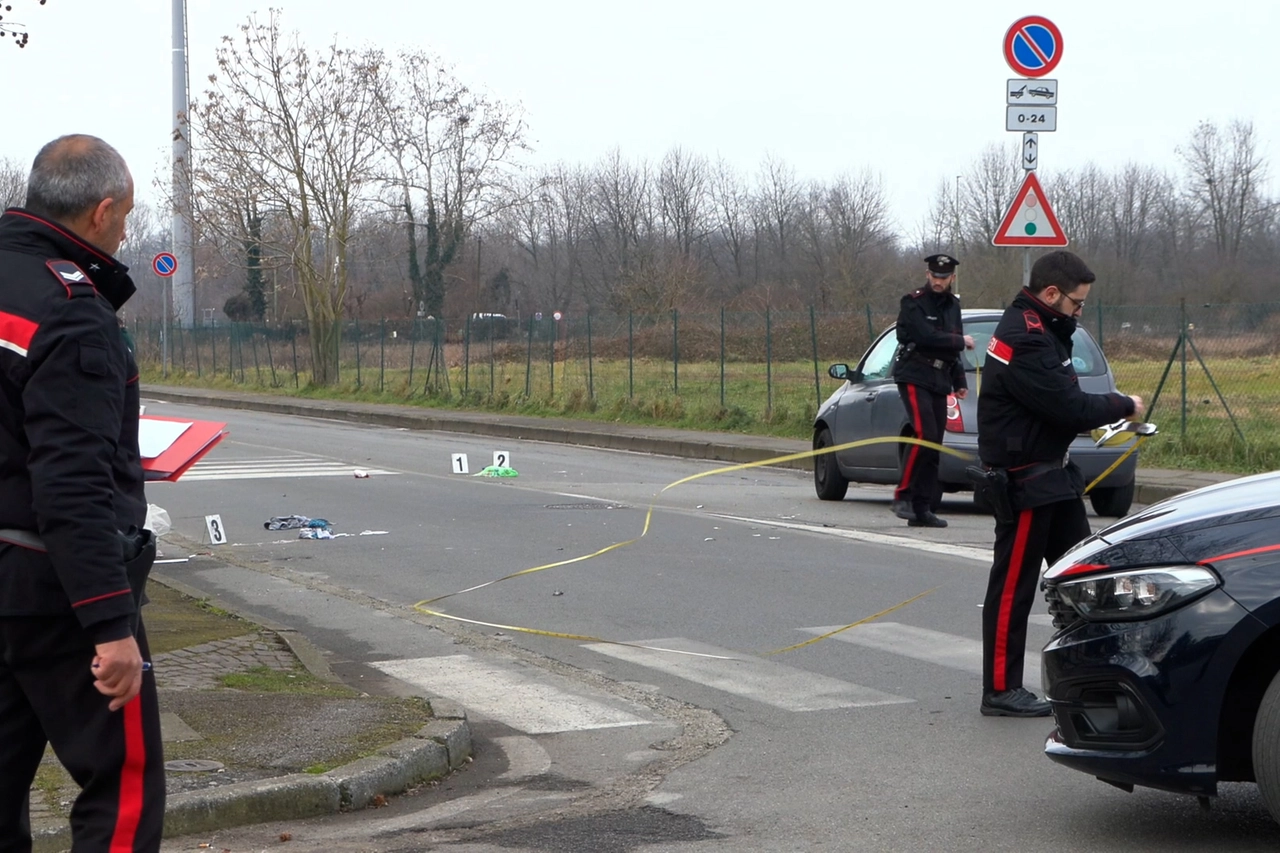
(182, 287)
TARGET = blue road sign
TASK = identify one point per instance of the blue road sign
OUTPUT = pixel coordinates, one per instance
(1033, 46)
(164, 264)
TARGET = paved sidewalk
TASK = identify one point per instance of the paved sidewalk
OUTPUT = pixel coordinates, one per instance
(240, 756)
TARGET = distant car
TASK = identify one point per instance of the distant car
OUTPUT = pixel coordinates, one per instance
(867, 405)
(1040, 92)
(1165, 668)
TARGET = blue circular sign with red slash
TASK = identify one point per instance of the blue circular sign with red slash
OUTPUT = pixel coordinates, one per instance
(1033, 46)
(164, 264)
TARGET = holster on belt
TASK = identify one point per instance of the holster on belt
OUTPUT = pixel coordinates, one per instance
(993, 485)
(139, 548)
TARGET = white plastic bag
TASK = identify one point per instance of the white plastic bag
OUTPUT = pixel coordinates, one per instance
(158, 520)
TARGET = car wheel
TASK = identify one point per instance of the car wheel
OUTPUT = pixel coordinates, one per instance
(1113, 501)
(1266, 748)
(828, 482)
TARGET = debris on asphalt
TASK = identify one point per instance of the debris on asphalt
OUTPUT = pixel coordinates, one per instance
(286, 522)
(158, 521)
(361, 475)
(496, 471)
(317, 528)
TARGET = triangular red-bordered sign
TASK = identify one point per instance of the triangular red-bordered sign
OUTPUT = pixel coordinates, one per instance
(1030, 220)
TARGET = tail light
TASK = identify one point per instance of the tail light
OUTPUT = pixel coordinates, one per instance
(955, 421)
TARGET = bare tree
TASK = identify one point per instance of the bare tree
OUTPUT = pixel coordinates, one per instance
(450, 150)
(778, 202)
(1081, 201)
(732, 205)
(988, 189)
(291, 135)
(13, 28)
(621, 222)
(682, 197)
(1226, 174)
(13, 184)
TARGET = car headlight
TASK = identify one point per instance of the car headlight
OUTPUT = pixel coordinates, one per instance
(1136, 594)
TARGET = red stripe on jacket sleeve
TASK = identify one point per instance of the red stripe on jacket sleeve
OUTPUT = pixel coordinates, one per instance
(16, 332)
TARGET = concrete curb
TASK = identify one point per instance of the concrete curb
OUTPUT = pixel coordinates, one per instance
(438, 748)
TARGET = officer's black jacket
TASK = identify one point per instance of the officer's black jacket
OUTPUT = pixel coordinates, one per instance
(69, 463)
(931, 321)
(1030, 404)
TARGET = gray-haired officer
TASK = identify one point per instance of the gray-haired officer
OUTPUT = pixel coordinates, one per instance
(927, 369)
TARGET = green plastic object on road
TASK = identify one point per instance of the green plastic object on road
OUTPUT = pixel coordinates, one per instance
(497, 471)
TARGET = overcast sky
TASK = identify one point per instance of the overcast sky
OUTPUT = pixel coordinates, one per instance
(913, 90)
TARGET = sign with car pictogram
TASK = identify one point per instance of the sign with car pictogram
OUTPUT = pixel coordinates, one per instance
(1033, 46)
(1031, 93)
(1030, 220)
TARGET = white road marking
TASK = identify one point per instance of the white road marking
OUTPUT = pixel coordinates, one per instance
(764, 681)
(261, 468)
(525, 700)
(980, 555)
(924, 644)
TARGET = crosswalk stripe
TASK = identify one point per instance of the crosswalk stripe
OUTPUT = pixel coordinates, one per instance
(924, 644)
(526, 701)
(274, 467)
(754, 678)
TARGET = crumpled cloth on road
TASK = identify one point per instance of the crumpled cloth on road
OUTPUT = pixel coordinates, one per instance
(286, 522)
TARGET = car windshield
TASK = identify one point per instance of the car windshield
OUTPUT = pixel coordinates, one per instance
(1085, 355)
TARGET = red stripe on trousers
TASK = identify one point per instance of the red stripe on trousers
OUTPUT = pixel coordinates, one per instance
(918, 425)
(135, 760)
(998, 680)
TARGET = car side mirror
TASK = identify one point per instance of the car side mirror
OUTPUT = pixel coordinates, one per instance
(843, 373)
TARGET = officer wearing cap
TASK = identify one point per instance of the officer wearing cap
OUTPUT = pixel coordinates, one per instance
(927, 369)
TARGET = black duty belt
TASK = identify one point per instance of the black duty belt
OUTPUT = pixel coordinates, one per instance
(1037, 468)
(22, 538)
(935, 363)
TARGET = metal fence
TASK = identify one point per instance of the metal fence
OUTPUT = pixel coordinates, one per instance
(1209, 373)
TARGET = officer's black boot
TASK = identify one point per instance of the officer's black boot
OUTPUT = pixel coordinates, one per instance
(903, 510)
(926, 518)
(1018, 702)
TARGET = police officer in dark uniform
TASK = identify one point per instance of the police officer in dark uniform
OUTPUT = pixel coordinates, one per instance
(1030, 409)
(73, 559)
(928, 368)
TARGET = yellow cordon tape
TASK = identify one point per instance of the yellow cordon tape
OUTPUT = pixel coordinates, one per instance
(421, 606)
(1114, 465)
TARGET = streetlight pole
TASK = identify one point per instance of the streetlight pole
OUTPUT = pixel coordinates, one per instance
(181, 286)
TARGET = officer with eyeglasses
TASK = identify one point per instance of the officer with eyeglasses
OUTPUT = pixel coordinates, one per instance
(927, 368)
(1030, 410)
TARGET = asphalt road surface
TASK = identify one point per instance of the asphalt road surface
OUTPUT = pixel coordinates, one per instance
(710, 739)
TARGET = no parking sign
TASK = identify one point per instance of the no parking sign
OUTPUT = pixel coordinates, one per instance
(1033, 46)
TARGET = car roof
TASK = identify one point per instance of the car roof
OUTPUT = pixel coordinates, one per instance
(975, 313)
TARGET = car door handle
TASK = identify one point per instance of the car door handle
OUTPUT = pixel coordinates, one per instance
(871, 396)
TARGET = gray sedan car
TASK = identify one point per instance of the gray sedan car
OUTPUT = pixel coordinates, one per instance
(867, 405)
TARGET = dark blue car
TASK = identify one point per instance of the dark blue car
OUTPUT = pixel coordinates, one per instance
(1165, 668)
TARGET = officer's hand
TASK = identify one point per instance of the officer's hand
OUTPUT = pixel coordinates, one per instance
(117, 671)
(1138, 407)
(968, 341)
(961, 393)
